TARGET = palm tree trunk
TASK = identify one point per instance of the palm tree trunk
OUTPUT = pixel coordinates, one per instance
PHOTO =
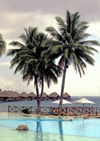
(62, 88)
(37, 91)
(41, 94)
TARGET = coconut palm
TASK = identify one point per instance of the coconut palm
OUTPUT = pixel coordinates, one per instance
(71, 45)
(2, 45)
(29, 61)
(37, 70)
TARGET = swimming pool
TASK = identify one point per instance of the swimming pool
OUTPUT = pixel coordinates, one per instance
(42, 128)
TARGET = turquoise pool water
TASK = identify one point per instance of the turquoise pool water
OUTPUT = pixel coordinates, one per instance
(49, 129)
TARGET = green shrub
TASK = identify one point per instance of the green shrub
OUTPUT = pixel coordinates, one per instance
(26, 111)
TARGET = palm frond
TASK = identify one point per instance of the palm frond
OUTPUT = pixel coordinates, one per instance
(90, 42)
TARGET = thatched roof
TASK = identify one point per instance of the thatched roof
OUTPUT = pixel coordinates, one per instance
(23, 94)
(3, 93)
(53, 94)
(31, 94)
(65, 95)
(8, 94)
(13, 94)
(44, 94)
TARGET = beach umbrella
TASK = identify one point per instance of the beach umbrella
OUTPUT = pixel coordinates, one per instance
(63, 101)
(84, 100)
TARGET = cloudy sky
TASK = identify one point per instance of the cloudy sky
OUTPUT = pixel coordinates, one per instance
(15, 15)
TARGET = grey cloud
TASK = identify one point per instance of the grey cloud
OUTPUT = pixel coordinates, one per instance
(88, 9)
(14, 23)
(15, 14)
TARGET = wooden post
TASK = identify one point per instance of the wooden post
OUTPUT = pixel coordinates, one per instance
(8, 109)
(96, 111)
(15, 109)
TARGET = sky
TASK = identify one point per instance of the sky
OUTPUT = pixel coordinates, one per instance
(15, 15)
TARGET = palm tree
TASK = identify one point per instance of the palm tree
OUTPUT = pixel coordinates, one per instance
(2, 45)
(71, 45)
(30, 62)
(38, 70)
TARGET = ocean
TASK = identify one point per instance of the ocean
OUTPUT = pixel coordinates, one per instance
(96, 99)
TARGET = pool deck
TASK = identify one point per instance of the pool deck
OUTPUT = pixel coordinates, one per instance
(82, 116)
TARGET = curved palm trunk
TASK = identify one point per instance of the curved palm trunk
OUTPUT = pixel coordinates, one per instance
(40, 99)
(62, 88)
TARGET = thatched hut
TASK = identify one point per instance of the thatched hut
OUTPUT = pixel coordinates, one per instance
(8, 95)
(12, 94)
(66, 96)
(16, 94)
(53, 96)
(44, 95)
(23, 94)
(3, 95)
(31, 96)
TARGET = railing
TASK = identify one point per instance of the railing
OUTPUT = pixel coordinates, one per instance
(17, 109)
(85, 110)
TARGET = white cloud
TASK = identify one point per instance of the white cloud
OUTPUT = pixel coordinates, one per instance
(94, 28)
(15, 22)
(15, 84)
(4, 63)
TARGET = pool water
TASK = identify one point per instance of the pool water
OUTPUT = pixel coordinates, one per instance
(49, 129)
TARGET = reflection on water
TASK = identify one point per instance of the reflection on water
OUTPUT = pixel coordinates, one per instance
(39, 127)
(61, 130)
(39, 135)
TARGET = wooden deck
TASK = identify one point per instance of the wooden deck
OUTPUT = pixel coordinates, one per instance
(46, 110)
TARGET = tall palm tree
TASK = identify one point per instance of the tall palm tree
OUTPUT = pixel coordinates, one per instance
(2, 45)
(30, 62)
(71, 45)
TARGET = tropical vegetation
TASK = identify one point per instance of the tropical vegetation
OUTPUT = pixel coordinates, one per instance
(35, 56)
(73, 46)
(2, 46)
(29, 61)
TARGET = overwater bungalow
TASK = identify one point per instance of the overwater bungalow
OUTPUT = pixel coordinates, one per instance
(53, 96)
(23, 96)
(44, 96)
(66, 96)
(9, 96)
(31, 96)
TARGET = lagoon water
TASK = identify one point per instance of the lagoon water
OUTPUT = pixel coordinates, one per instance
(96, 99)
